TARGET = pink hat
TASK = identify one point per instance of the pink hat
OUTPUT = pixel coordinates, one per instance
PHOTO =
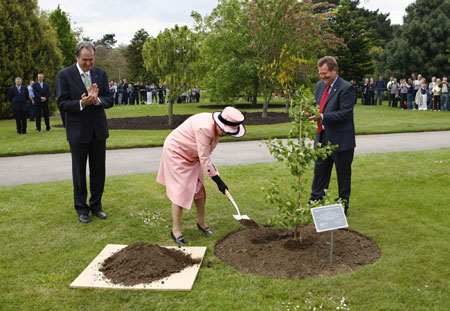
(230, 121)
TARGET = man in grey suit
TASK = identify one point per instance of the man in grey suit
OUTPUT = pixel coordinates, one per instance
(83, 95)
(336, 99)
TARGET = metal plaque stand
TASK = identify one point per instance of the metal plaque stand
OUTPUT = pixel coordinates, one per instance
(331, 247)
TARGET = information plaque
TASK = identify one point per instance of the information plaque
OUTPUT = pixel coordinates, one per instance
(329, 217)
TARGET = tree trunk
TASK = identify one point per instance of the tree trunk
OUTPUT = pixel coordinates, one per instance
(255, 91)
(267, 96)
(287, 107)
(300, 142)
(170, 105)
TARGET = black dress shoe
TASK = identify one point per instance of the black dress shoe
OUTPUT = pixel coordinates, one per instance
(180, 240)
(206, 230)
(85, 218)
(100, 214)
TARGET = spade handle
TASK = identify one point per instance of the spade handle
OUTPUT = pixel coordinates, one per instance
(228, 194)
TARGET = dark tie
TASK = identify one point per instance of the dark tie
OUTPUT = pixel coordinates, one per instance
(322, 105)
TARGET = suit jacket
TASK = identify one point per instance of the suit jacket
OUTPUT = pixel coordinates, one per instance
(41, 92)
(81, 126)
(338, 114)
(18, 100)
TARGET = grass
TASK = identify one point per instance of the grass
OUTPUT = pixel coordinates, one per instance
(398, 199)
(368, 120)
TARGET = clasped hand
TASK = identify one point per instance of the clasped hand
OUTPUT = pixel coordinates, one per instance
(92, 97)
(312, 117)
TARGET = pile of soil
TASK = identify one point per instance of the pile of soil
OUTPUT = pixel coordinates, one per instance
(161, 122)
(248, 223)
(273, 252)
(144, 263)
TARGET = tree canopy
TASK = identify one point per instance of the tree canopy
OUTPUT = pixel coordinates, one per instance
(354, 57)
(108, 41)
(227, 64)
(28, 45)
(172, 56)
(67, 38)
(285, 28)
(422, 42)
(136, 68)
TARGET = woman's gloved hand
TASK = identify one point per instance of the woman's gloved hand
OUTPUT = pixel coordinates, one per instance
(220, 184)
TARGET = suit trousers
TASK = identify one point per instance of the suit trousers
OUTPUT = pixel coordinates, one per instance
(95, 151)
(21, 120)
(32, 110)
(41, 108)
(322, 174)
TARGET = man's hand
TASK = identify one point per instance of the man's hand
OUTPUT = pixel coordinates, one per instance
(86, 100)
(93, 91)
(312, 117)
(315, 118)
(92, 97)
(43, 99)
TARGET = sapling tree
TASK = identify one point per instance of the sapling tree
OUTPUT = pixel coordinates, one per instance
(297, 152)
(171, 56)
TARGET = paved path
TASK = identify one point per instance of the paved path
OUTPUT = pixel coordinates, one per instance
(57, 167)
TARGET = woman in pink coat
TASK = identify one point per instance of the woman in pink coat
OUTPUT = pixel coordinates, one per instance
(186, 152)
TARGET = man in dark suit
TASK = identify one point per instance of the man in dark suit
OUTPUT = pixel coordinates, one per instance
(41, 95)
(18, 96)
(125, 92)
(336, 99)
(83, 95)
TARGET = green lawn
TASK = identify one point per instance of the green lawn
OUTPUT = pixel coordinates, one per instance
(368, 120)
(398, 199)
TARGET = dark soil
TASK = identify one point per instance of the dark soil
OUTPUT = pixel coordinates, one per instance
(273, 252)
(248, 223)
(144, 263)
(161, 122)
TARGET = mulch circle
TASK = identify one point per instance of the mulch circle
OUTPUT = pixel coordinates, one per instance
(161, 122)
(144, 263)
(273, 252)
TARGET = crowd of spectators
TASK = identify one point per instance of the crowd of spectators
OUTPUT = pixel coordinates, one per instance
(413, 93)
(125, 93)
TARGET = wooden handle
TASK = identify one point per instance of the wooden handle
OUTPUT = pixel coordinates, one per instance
(227, 193)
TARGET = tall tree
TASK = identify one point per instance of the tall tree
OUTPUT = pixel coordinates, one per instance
(136, 69)
(354, 57)
(227, 64)
(422, 41)
(172, 55)
(113, 61)
(67, 38)
(108, 41)
(284, 27)
(27, 45)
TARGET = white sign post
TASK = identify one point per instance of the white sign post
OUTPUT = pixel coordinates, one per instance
(329, 218)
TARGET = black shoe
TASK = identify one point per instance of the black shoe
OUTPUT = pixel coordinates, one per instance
(206, 231)
(100, 214)
(85, 218)
(38, 130)
(180, 240)
(47, 129)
